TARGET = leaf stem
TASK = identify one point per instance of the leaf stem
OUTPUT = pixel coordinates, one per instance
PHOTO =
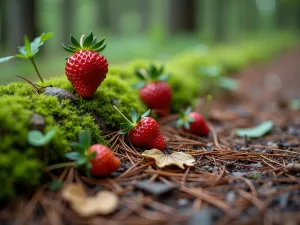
(60, 165)
(36, 69)
(123, 115)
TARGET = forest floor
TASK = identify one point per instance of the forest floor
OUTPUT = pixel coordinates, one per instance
(235, 180)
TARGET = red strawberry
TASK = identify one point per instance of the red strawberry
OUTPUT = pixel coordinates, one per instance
(98, 159)
(143, 131)
(193, 123)
(154, 91)
(86, 68)
(105, 162)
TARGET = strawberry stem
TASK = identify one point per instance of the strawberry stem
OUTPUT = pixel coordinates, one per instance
(36, 69)
(123, 115)
(60, 165)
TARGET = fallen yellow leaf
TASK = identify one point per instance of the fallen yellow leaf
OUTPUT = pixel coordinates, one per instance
(73, 192)
(103, 203)
(177, 158)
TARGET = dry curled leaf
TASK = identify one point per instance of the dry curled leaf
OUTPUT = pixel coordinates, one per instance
(293, 167)
(103, 203)
(177, 158)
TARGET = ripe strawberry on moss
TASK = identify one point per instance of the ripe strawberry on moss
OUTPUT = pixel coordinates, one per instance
(86, 68)
(143, 131)
(155, 92)
(98, 159)
(192, 122)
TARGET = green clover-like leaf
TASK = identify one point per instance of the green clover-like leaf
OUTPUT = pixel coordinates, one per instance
(5, 59)
(37, 138)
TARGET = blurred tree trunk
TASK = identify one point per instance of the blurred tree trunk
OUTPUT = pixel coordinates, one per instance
(208, 19)
(3, 36)
(220, 23)
(157, 24)
(231, 19)
(144, 6)
(182, 16)
(67, 18)
(22, 20)
(103, 17)
(248, 15)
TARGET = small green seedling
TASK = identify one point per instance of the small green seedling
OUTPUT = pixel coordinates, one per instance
(38, 139)
(29, 50)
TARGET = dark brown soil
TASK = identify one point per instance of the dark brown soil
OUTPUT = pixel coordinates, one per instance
(235, 180)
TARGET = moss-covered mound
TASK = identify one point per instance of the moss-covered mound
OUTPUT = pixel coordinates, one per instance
(21, 163)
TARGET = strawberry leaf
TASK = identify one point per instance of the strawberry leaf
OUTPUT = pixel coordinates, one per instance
(125, 131)
(191, 119)
(74, 156)
(92, 155)
(5, 59)
(88, 41)
(67, 48)
(179, 123)
(152, 71)
(134, 115)
(187, 125)
(81, 161)
(100, 49)
(139, 85)
(74, 41)
(160, 70)
(99, 44)
(188, 111)
(164, 77)
(140, 75)
(78, 147)
(146, 113)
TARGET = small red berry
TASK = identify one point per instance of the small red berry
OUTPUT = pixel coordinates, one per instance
(155, 92)
(105, 162)
(158, 143)
(156, 95)
(86, 68)
(146, 134)
(193, 122)
(143, 131)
